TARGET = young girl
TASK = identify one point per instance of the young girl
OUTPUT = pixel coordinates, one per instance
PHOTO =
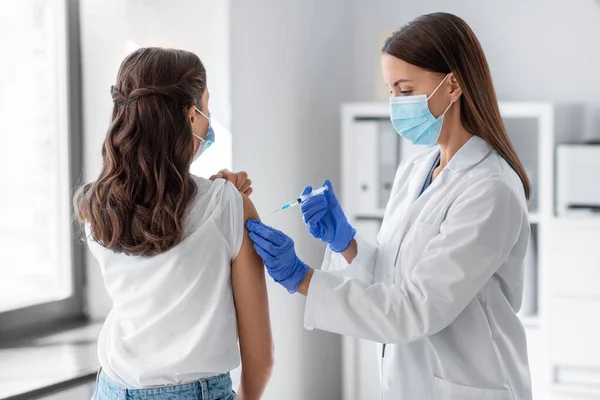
(177, 263)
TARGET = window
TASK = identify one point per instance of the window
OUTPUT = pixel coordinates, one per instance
(38, 83)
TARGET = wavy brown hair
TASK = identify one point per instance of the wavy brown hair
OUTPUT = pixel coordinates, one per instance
(136, 204)
(444, 43)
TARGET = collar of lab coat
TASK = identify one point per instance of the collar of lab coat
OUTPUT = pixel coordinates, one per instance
(469, 154)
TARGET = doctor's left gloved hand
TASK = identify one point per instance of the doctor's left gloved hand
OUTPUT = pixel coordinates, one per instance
(278, 253)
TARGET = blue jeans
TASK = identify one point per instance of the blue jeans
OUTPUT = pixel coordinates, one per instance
(214, 388)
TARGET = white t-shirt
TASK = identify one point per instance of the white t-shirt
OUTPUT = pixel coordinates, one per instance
(173, 319)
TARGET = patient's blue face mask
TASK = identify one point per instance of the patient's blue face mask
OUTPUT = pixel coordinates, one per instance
(413, 120)
(204, 142)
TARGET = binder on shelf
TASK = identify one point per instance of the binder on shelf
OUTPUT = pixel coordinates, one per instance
(389, 153)
(409, 150)
(367, 174)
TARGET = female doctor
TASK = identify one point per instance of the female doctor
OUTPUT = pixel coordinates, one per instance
(442, 287)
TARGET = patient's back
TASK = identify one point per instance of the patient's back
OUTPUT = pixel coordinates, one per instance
(173, 318)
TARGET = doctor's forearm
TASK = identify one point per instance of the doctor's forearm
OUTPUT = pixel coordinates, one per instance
(303, 287)
(349, 255)
(351, 252)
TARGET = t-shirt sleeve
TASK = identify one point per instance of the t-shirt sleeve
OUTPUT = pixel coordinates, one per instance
(233, 218)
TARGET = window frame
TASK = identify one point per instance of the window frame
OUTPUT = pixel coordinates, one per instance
(54, 313)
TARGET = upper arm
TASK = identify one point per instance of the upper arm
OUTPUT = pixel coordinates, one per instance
(250, 297)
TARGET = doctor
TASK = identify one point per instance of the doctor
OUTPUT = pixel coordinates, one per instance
(442, 287)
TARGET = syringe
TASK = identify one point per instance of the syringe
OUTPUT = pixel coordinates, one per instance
(302, 199)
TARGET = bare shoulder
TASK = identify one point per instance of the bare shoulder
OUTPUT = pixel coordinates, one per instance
(249, 209)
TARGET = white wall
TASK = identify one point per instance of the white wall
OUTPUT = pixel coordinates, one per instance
(111, 29)
(291, 67)
(278, 71)
(537, 49)
(286, 83)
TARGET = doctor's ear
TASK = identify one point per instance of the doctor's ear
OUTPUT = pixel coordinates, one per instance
(455, 89)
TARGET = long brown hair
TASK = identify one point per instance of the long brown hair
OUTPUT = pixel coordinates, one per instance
(444, 43)
(136, 204)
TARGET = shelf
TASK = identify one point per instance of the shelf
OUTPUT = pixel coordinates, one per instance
(578, 221)
(534, 217)
(583, 390)
(530, 321)
(373, 214)
(579, 215)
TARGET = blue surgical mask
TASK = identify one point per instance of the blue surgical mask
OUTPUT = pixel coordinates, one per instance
(204, 142)
(413, 120)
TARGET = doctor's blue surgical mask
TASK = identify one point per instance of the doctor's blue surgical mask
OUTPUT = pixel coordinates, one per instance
(210, 137)
(413, 120)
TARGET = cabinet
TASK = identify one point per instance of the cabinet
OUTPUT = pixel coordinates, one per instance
(574, 309)
(371, 152)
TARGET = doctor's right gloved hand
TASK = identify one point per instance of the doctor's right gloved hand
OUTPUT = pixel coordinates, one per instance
(325, 219)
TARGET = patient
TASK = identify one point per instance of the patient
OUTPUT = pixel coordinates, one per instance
(183, 276)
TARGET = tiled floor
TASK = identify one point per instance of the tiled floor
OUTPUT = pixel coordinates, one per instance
(49, 361)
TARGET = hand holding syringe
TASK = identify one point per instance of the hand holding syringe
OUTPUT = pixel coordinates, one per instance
(302, 199)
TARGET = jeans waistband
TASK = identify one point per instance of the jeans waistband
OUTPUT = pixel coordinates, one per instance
(211, 388)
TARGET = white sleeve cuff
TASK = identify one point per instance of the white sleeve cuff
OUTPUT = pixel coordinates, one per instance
(333, 261)
(313, 299)
(366, 253)
(360, 268)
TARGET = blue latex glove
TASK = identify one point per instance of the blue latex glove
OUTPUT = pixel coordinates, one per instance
(325, 219)
(278, 253)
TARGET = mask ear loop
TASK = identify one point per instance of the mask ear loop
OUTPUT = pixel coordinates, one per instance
(443, 119)
(201, 139)
(438, 86)
(204, 115)
(201, 113)
(446, 110)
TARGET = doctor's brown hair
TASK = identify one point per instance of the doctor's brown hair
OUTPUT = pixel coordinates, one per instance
(444, 43)
(136, 204)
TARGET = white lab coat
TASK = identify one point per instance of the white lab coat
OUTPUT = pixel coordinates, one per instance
(443, 286)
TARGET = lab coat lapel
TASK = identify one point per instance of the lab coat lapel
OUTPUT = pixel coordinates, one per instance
(405, 192)
(406, 211)
(417, 180)
(414, 188)
(471, 153)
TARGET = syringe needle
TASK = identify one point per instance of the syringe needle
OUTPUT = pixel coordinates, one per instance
(301, 199)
